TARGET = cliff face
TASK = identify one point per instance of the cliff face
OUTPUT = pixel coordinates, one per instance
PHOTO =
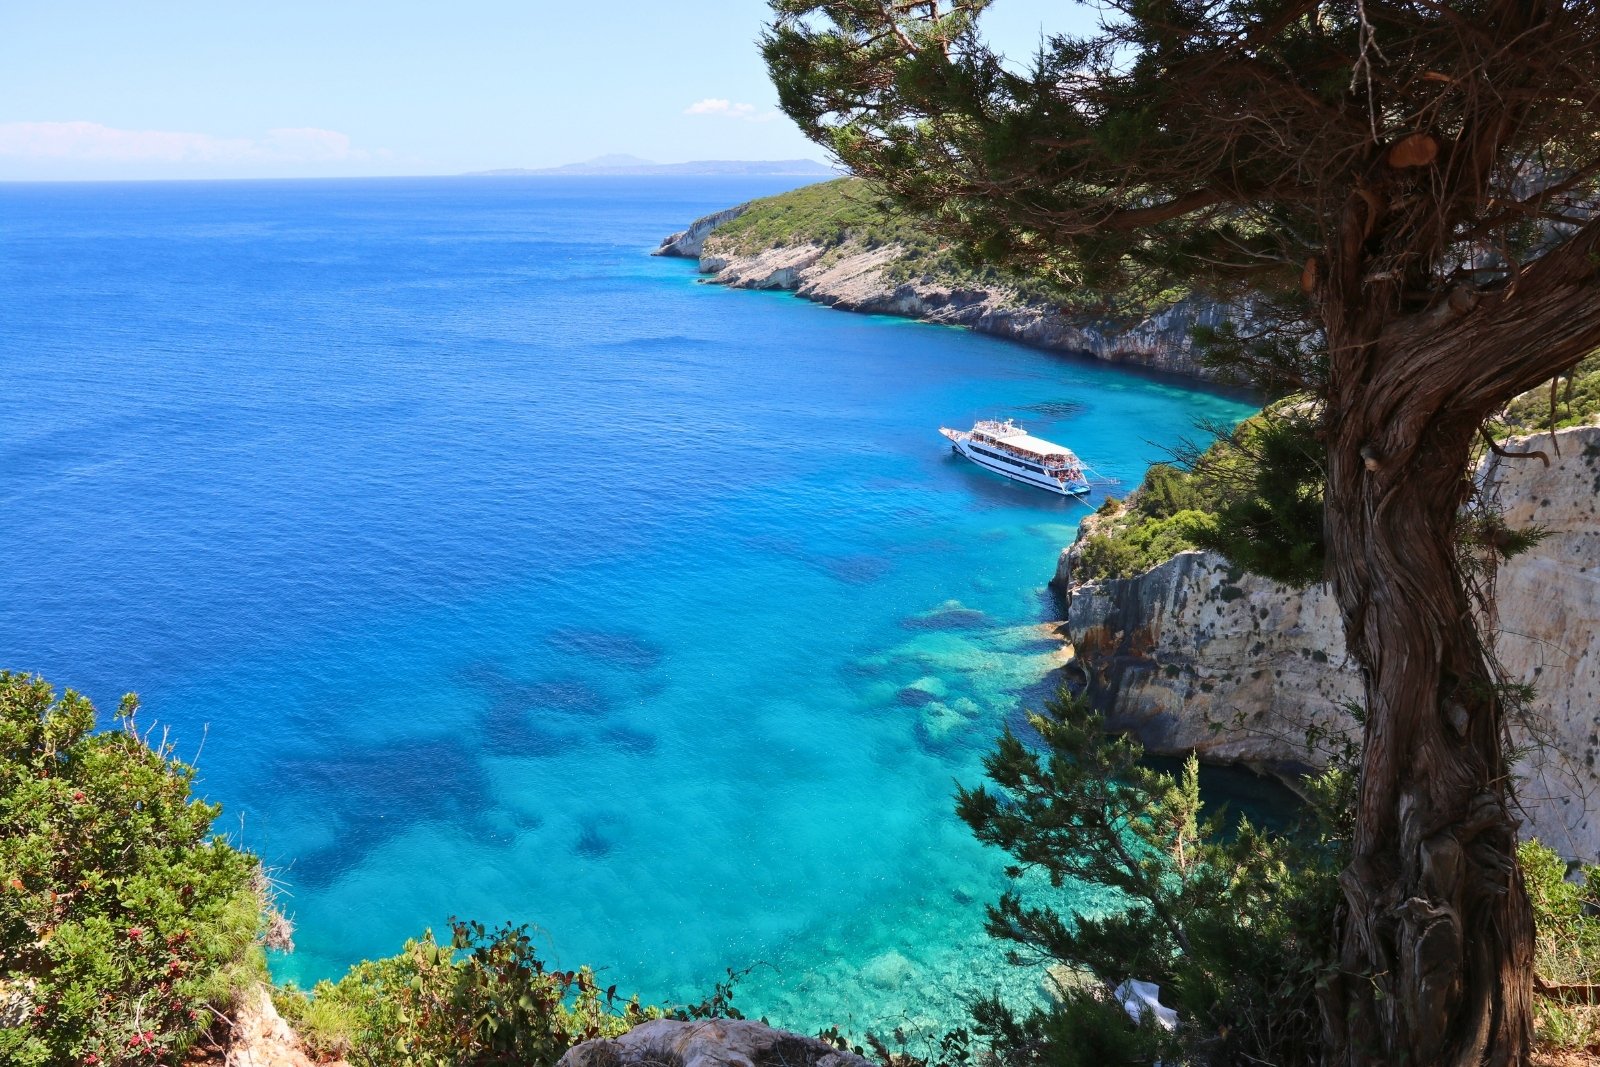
(1192, 643)
(855, 277)
(687, 243)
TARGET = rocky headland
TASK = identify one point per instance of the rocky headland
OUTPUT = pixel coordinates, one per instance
(874, 263)
(1194, 655)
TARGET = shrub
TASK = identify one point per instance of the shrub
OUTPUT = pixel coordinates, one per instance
(122, 920)
(1566, 918)
(485, 998)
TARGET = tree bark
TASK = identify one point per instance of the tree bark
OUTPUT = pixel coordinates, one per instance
(1436, 935)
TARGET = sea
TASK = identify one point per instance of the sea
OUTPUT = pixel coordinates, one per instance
(487, 566)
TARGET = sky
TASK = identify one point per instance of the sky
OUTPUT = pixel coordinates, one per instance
(107, 89)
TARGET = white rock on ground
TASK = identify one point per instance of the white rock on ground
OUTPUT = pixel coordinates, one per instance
(856, 278)
(260, 1037)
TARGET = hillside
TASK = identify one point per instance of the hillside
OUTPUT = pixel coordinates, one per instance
(839, 244)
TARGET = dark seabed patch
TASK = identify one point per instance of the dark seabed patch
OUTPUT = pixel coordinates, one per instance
(595, 841)
(369, 797)
(613, 647)
(948, 617)
(543, 719)
(627, 739)
(859, 569)
(1055, 409)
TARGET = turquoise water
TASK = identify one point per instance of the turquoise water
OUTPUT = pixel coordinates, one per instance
(488, 566)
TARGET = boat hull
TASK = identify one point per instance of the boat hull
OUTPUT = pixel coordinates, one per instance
(1016, 474)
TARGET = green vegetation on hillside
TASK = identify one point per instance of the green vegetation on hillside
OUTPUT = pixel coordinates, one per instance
(1255, 496)
(1566, 944)
(846, 216)
(1574, 401)
(123, 922)
(127, 930)
(483, 998)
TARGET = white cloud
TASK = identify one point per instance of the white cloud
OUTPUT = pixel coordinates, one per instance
(712, 105)
(92, 142)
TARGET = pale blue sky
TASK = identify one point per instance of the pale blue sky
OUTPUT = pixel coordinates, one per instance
(179, 88)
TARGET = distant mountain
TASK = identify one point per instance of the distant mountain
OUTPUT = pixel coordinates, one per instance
(632, 165)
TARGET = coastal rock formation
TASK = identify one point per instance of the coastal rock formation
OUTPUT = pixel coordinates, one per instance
(1194, 655)
(688, 243)
(708, 1043)
(855, 277)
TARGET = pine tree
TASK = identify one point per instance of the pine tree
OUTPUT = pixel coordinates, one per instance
(1411, 182)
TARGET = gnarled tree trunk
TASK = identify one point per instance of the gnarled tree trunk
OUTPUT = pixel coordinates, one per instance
(1436, 936)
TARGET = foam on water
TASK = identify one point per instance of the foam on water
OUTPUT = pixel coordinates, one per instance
(505, 571)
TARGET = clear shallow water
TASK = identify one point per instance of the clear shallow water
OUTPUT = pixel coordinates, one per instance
(495, 568)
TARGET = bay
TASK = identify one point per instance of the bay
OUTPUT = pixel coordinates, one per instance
(487, 566)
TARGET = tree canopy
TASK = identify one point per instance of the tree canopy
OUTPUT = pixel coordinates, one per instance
(1400, 195)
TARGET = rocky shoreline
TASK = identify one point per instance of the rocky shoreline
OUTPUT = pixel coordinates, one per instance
(1193, 655)
(855, 277)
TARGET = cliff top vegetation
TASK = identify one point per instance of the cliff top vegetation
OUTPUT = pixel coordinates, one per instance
(1183, 505)
(848, 216)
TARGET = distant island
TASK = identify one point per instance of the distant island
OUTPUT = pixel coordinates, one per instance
(624, 165)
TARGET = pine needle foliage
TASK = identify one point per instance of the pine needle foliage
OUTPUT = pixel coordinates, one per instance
(1232, 922)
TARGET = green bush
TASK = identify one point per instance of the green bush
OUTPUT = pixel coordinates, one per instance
(1574, 401)
(485, 998)
(1155, 523)
(1254, 496)
(122, 920)
(1566, 919)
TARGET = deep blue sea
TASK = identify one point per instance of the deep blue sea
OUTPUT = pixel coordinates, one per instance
(488, 566)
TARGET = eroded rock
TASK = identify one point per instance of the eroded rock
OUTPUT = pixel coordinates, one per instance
(261, 1038)
(856, 277)
(708, 1043)
(1196, 656)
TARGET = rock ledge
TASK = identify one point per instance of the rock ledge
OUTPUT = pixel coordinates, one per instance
(708, 1043)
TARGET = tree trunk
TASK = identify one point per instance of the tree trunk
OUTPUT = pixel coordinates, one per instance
(1436, 936)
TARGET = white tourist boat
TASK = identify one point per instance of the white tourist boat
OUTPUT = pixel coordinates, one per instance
(1005, 448)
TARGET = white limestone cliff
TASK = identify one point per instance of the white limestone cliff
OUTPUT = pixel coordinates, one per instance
(1193, 655)
(857, 278)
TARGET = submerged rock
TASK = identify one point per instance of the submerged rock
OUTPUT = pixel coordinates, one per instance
(938, 723)
(951, 615)
(888, 970)
(708, 1043)
(924, 690)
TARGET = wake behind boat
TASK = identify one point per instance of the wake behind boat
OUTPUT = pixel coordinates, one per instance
(1005, 448)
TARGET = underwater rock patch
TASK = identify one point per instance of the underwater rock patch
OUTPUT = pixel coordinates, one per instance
(951, 615)
(888, 970)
